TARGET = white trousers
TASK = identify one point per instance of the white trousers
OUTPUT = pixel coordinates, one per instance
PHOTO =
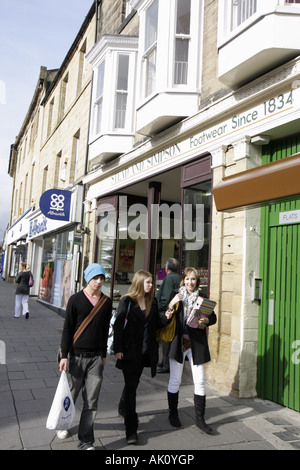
(21, 301)
(176, 370)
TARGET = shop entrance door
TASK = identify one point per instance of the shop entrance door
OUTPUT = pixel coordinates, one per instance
(278, 363)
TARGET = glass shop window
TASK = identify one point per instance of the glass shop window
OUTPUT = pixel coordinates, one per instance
(196, 230)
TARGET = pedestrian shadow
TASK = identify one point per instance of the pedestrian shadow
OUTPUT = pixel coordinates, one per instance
(154, 427)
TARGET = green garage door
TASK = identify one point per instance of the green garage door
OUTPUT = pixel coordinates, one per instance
(279, 315)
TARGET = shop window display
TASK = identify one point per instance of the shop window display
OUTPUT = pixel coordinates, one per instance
(56, 269)
(122, 233)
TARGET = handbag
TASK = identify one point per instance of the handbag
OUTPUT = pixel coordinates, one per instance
(31, 280)
(62, 411)
(85, 323)
(167, 333)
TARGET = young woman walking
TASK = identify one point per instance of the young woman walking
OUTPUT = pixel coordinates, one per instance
(135, 344)
(191, 343)
(22, 291)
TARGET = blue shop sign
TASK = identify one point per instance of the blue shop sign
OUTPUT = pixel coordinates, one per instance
(37, 226)
(55, 204)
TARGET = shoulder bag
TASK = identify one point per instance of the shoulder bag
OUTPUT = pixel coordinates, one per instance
(31, 280)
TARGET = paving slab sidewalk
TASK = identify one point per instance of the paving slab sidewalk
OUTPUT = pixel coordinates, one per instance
(29, 377)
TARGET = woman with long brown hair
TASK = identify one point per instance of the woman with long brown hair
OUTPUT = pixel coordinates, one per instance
(135, 344)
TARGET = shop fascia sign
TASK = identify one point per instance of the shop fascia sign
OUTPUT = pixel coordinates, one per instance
(19, 229)
(41, 225)
(201, 142)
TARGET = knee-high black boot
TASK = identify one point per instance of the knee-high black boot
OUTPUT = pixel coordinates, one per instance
(173, 409)
(131, 425)
(200, 402)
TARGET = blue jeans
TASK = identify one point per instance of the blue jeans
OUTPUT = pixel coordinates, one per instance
(86, 374)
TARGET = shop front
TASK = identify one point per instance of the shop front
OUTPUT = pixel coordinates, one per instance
(156, 202)
(56, 254)
(144, 224)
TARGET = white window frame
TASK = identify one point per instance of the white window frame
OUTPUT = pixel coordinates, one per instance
(98, 100)
(165, 49)
(181, 68)
(124, 93)
(150, 56)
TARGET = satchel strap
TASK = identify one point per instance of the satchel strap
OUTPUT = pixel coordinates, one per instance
(90, 317)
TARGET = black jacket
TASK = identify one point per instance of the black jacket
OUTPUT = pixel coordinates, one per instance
(94, 337)
(198, 337)
(22, 279)
(131, 339)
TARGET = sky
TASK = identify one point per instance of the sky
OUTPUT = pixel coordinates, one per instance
(33, 33)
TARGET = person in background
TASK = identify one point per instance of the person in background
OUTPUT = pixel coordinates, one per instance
(135, 343)
(169, 284)
(191, 343)
(22, 291)
(87, 356)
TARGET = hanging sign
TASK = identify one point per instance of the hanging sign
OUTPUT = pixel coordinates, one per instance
(55, 204)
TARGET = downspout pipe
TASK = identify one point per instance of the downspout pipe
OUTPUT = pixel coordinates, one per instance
(97, 3)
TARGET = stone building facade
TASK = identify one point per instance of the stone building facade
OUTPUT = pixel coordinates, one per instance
(195, 104)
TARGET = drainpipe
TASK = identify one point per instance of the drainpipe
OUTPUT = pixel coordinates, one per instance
(97, 17)
(85, 235)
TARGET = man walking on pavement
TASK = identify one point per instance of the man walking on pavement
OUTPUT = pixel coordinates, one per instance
(169, 284)
(84, 340)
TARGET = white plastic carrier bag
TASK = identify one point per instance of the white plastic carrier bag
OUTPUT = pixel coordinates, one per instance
(62, 411)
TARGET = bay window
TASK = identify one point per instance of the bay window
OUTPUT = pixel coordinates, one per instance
(169, 73)
(250, 38)
(113, 59)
